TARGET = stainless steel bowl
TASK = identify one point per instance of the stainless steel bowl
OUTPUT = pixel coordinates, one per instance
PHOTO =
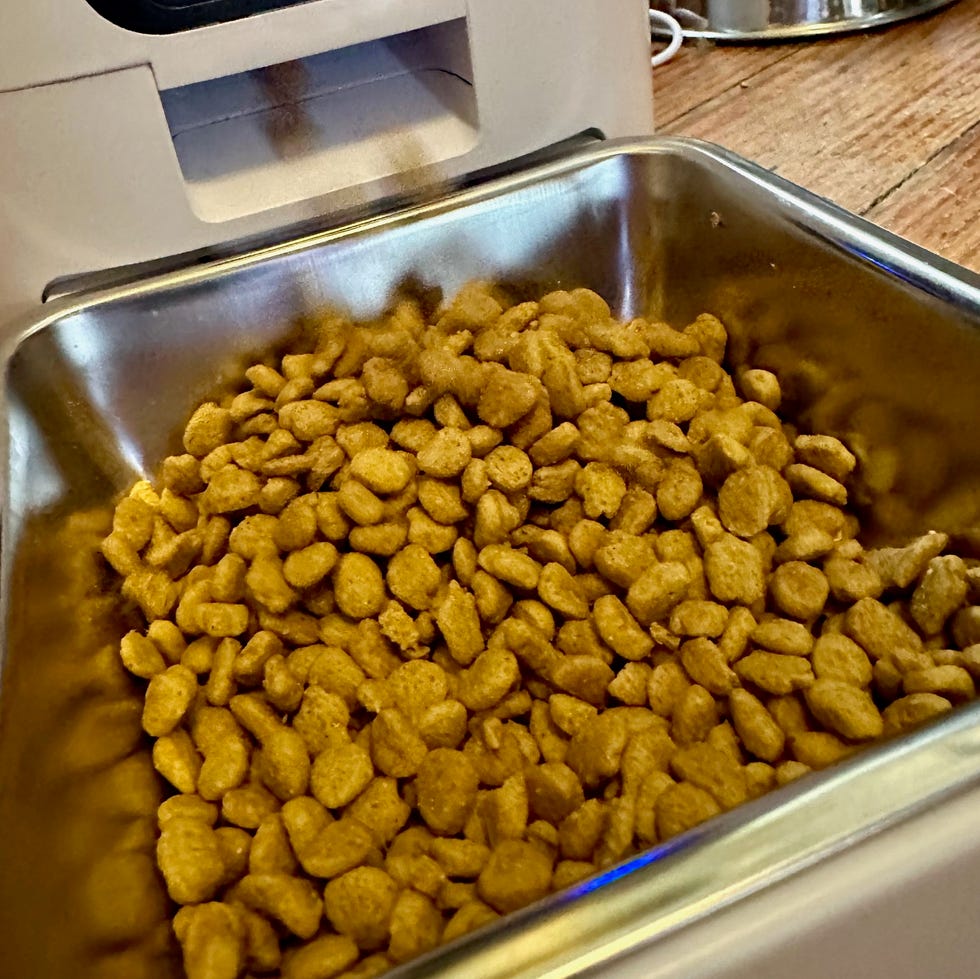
(777, 20)
(872, 336)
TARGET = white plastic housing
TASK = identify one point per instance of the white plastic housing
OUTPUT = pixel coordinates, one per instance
(121, 148)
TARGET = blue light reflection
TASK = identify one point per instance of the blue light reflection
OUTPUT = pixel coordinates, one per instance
(625, 869)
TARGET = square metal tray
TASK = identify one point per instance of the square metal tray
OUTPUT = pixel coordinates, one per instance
(873, 338)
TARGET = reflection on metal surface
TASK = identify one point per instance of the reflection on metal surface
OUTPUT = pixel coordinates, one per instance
(774, 20)
(874, 339)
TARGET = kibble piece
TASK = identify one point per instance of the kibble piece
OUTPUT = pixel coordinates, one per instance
(706, 665)
(714, 771)
(735, 571)
(940, 593)
(756, 727)
(799, 590)
(340, 773)
(516, 874)
(494, 673)
(447, 784)
(360, 903)
(561, 591)
(459, 621)
(358, 586)
(619, 629)
(208, 428)
(416, 926)
(694, 716)
(753, 498)
(285, 764)
(879, 630)
(762, 386)
(666, 687)
(445, 454)
(679, 490)
(835, 657)
(510, 566)
(783, 636)
(413, 576)
(682, 807)
(845, 709)
(140, 656)
(952, 682)
(818, 749)
(825, 453)
(322, 958)
(396, 747)
(698, 618)
(168, 699)
(816, 485)
(175, 757)
(212, 938)
(310, 565)
(910, 711)
(382, 470)
(652, 596)
(774, 672)
(596, 748)
(509, 469)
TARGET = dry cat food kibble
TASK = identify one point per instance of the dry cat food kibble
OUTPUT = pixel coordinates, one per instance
(440, 617)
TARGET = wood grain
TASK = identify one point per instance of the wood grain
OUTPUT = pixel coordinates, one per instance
(938, 206)
(701, 71)
(885, 123)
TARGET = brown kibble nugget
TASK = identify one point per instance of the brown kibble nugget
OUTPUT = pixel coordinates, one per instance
(619, 630)
(459, 623)
(911, 711)
(713, 770)
(783, 636)
(735, 571)
(445, 454)
(516, 874)
(799, 590)
(213, 939)
(358, 586)
(940, 593)
(652, 596)
(682, 807)
(494, 673)
(413, 576)
(290, 900)
(168, 699)
(755, 726)
(359, 904)
(751, 499)
(825, 453)
(879, 630)
(190, 859)
(554, 791)
(322, 958)
(845, 709)
(382, 470)
(506, 398)
(209, 428)
(775, 672)
(396, 747)
(446, 785)
(596, 748)
(340, 773)
(416, 926)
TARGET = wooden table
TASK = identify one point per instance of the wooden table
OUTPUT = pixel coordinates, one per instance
(886, 123)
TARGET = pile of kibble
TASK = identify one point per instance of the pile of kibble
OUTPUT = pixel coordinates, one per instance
(451, 612)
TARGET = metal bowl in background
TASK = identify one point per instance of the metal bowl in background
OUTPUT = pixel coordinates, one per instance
(777, 20)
